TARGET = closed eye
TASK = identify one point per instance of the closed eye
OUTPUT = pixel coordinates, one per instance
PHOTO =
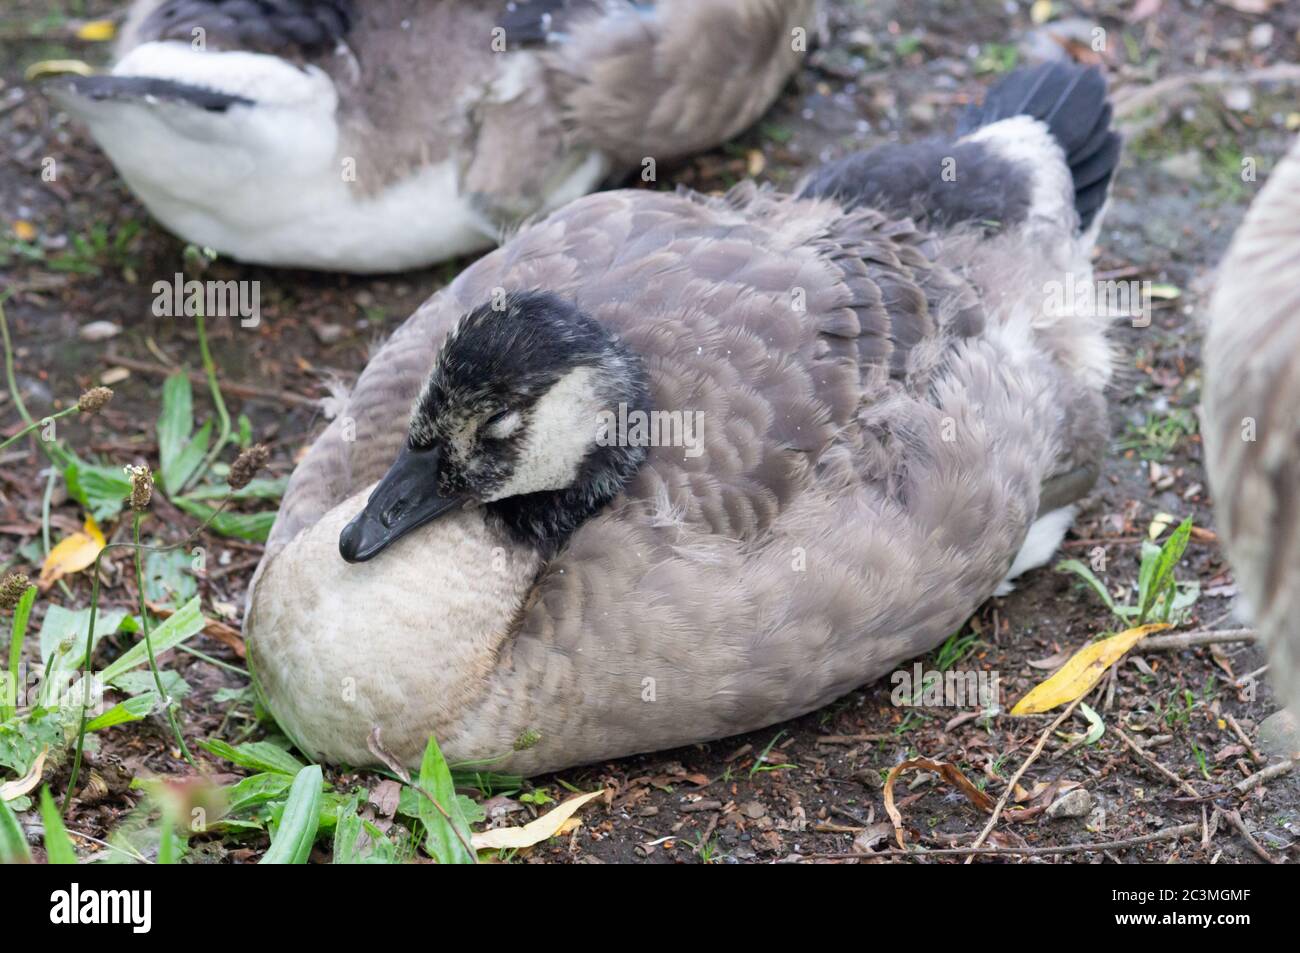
(502, 424)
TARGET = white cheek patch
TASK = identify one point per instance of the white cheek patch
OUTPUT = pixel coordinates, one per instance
(561, 432)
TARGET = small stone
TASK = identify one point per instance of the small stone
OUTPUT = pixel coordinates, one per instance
(1261, 36)
(1185, 166)
(1239, 98)
(1279, 735)
(753, 809)
(329, 333)
(1076, 803)
(922, 113)
(99, 331)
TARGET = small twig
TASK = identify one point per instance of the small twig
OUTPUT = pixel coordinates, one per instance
(1244, 739)
(163, 697)
(849, 739)
(1191, 640)
(1154, 764)
(1171, 833)
(1234, 818)
(1270, 773)
(239, 390)
(1024, 766)
(1130, 100)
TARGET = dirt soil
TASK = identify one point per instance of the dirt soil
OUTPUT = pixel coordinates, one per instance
(81, 249)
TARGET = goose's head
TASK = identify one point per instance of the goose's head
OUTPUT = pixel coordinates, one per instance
(514, 417)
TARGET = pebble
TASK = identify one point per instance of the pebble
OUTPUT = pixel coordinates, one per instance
(99, 331)
(1076, 803)
(1239, 98)
(1185, 166)
(1261, 36)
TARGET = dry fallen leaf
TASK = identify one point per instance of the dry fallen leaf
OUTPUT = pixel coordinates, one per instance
(15, 789)
(949, 772)
(1084, 669)
(72, 554)
(534, 832)
(24, 230)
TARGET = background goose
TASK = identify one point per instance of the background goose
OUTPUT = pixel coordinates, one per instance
(388, 134)
(1252, 430)
(886, 411)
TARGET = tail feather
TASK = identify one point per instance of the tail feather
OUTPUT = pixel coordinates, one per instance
(1070, 100)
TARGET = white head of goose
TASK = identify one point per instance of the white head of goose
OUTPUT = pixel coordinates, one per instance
(1251, 429)
(307, 133)
(892, 424)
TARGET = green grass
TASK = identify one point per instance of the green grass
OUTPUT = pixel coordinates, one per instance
(1159, 435)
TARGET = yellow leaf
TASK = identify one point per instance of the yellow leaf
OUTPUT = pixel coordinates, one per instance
(1158, 525)
(1083, 670)
(545, 827)
(24, 230)
(16, 789)
(73, 554)
(57, 68)
(97, 31)
(1040, 12)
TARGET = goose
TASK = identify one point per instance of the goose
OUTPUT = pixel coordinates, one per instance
(385, 135)
(667, 467)
(1250, 426)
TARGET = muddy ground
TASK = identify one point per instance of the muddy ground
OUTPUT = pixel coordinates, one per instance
(80, 250)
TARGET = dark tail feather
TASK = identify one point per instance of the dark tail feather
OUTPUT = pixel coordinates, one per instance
(1071, 100)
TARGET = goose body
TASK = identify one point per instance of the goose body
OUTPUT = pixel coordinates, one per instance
(1251, 428)
(884, 413)
(388, 134)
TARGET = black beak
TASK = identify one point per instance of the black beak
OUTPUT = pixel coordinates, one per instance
(405, 499)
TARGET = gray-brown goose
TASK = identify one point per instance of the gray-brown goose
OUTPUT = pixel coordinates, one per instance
(892, 423)
(1251, 426)
(388, 134)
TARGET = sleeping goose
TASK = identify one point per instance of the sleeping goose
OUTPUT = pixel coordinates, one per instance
(666, 467)
(389, 134)
(1251, 428)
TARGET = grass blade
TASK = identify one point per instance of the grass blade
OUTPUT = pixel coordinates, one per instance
(22, 612)
(292, 842)
(13, 843)
(1161, 577)
(448, 833)
(185, 623)
(58, 845)
(261, 756)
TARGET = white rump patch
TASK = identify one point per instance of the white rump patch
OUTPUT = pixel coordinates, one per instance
(1042, 542)
(1028, 142)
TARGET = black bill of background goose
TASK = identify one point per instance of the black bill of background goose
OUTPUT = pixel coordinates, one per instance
(860, 427)
(1250, 423)
(388, 134)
